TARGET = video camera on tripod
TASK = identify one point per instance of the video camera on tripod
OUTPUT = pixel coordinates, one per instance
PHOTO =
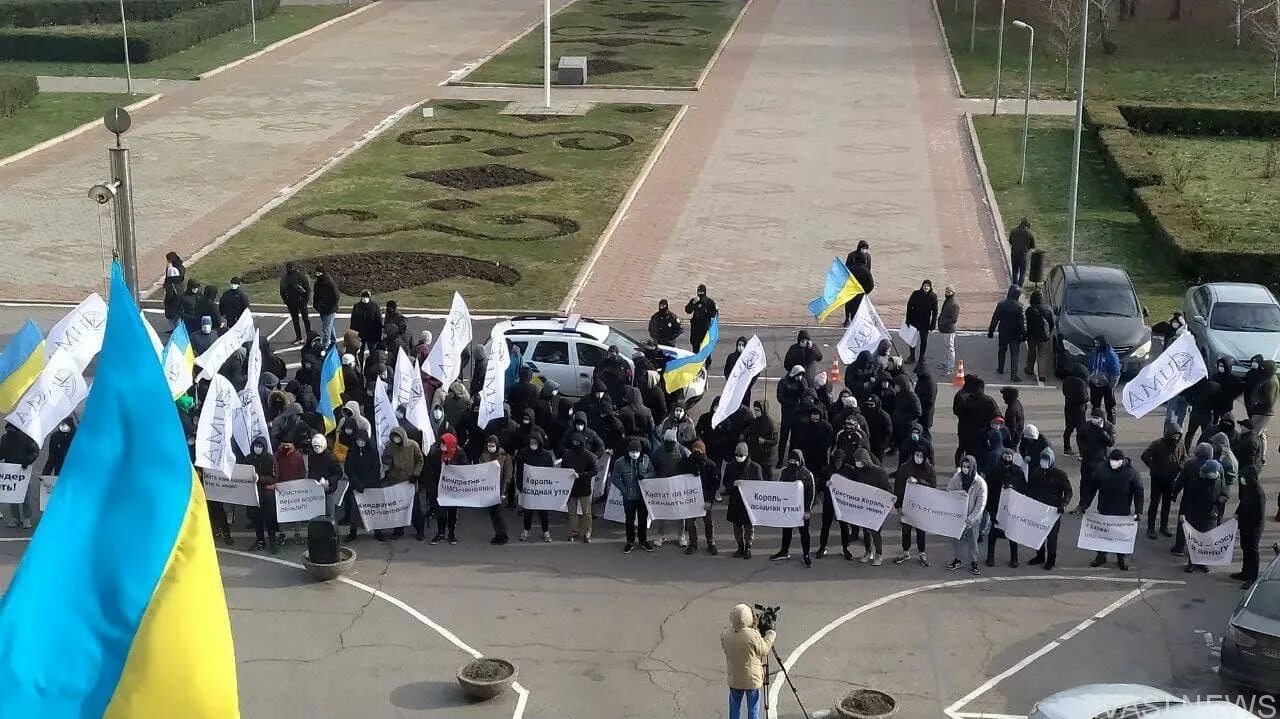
(767, 621)
(766, 617)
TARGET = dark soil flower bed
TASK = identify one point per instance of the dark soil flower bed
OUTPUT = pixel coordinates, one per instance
(868, 702)
(487, 670)
(385, 271)
(648, 16)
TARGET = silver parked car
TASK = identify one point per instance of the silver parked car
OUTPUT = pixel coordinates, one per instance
(1130, 701)
(1234, 319)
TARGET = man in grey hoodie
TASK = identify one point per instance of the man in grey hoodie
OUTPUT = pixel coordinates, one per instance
(968, 480)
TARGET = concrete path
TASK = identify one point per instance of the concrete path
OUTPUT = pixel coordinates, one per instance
(823, 123)
(208, 155)
(141, 85)
(1013, 106)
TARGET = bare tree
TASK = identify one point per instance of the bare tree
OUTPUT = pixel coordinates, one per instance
(1101, 27)
(1266, 25)
(1175, 12)
(1063, 19)
(1238, 24)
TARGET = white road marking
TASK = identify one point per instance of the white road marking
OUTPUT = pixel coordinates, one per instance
(836, 623)
(283, 323)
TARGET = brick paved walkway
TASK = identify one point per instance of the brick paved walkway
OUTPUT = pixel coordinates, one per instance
(824, 122)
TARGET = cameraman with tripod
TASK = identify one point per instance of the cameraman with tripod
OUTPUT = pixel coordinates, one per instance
(745, 652)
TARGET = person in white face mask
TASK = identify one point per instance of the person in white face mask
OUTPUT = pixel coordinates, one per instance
(968, 480)
(366, 320)
(233, 303)
(1049, 485)
(265, 526)
(1119, 493)
(625, 477)
(740, 468)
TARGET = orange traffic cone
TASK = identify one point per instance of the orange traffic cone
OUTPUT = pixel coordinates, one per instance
(834, 374)
(958, 380)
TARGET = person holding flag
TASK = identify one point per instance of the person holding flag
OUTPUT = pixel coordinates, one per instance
(839, 288)
(331, 388)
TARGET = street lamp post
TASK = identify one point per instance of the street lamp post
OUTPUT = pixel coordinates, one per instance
(124, 31)
(119, 190)
(995, 103)
(1073, 199)
(1026, 102)
(973, 26)
(546, 52)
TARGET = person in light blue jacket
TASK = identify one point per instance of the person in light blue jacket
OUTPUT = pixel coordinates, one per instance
(625, 478)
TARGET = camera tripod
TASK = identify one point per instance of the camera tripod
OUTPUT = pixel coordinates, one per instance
(785, 675)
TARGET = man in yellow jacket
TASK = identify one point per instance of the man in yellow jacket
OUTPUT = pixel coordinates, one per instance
(745, 651)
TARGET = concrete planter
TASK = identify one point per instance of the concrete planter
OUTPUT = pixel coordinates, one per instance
(329, 572)
(486, 678)
(866, 704)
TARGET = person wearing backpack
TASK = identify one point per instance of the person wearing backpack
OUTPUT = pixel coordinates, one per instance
(1039, 328)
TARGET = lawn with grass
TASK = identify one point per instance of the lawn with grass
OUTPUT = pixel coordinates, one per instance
(502, 208)
(1107, 230)
(50, 114)
(188, 64)
(1156, 59)
(626, 42)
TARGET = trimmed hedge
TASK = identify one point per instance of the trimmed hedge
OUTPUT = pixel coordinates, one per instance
(1201, 119)
(1103, 116)
(1202, 254)
(15, 92)
(43, 13)
(1126, 155)
(147, 40)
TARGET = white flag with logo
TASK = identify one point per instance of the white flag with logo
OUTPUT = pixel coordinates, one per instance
(407, 392)
(1107, 533)
(156, 344)
(384, 417)
(935, 511)
(58, 389)
(1024, 520)
(470, 485)
(240, 487)
(80, 332)
(386, 507)
(750, 363)
(546, 488)
(494, 392)
(217, 420)
(251, 419)
(1178, 367)
(445, 360)
(773, 504)
(864, 332)
(212, 359)
(860, 504)
(299, 500)
(1214, 548)
(674, 498)
(14, 481)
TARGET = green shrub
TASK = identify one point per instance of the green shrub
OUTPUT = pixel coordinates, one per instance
(43, 13)
(147, 40)
(1102, 115)
(16, 91)
(1203, 253)
(1201, 119)
(1125, 155)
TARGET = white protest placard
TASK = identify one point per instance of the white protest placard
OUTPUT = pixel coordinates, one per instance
(863, 333)
(616, 511)
(13, 483)
(444, 362)
(340, 494)
(1107, 533)
(56, 392)
(212, 359)
(299, 500)
(935, 511)
(407, 392)
(546, 488)
(213, 431)
(1214, 548)
(860, 504)
(1178, 367)
(494, 391)
(750, 363)
(601, 481)
(46, 489)
(386, 507)
(470, 485)
(240, 487)
(773, 504)
(908, 334)
(674, 498)
(1024, 520)
(80, 332)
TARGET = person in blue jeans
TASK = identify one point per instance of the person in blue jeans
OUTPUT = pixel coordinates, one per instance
(745, 651)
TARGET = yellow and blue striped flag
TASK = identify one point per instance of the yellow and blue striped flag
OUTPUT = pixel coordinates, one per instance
(92, 626)
(20, 364)
(331, 387)
(682, 371)
(838, 288)
(179, 361)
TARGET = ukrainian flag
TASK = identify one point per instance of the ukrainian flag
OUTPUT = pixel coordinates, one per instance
(839, 288)
(20, 364)
(681, 372)
(332, 387)
(179, 361)
(94, 626)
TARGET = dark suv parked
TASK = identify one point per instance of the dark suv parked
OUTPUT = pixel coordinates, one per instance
(1092, 300)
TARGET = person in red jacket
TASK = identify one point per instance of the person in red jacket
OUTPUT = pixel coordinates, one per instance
(290, 465)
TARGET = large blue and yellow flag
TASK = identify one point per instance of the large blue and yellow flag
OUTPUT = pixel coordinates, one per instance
(179, 361)
(838, 288)
(98, 623)
(331, 388)
(20, 364)
(681, 372)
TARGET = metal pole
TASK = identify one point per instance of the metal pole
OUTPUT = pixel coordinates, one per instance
(253, 20)
(995, 102)
(126, 246)
(546, 52)
(1026, 102)
(128, 72)
(1074, 198)
(973, 26)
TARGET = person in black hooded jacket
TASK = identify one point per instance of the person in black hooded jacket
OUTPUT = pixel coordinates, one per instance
(579, 428)
(524, 395)
(740, 468)
(867, 471)
(207, 306)
(265, 526)
(1015, 417)
(1010, 319)
(708, 472)
(1230, 387)
(793, 472)
(836, 465)
(187, 304)
(926, 389)
(59, 444)
(814, 438)
(906, 412)
(804, 354)
(879, 427)
(1250, 513)
(1003, 476)
(637, 420)
(1040, 325)
(922, 314)
(17, 448)
(1049, 485)
(324, 299)
(295, 292)
(233, 303)
(664, 325)
(363, 470)
(1119, 493)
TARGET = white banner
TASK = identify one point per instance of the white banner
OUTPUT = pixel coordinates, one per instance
(494, 392)
(212, 359)
(601, 480)
(863, 333)
(251, 420)
(241, 487)
(384, 417)
(773, 504)
(1214, 548)
(58, 389)
(299, 500)
(860, 504)
(151, 335)
(935, 511)
(546, 488)
(80, 332)
(674, 498)
(46, 489)
(1106, 533)
(470, 485)
(616, 511)
(386, 507)
(13, 483)
(1024, 520)
(750, 363)
(213, 431)
(445, 360)
(407, 392)
(1178, 367)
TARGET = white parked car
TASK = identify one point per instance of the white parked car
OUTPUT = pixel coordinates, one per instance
(1130, 701)
(567, 349)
